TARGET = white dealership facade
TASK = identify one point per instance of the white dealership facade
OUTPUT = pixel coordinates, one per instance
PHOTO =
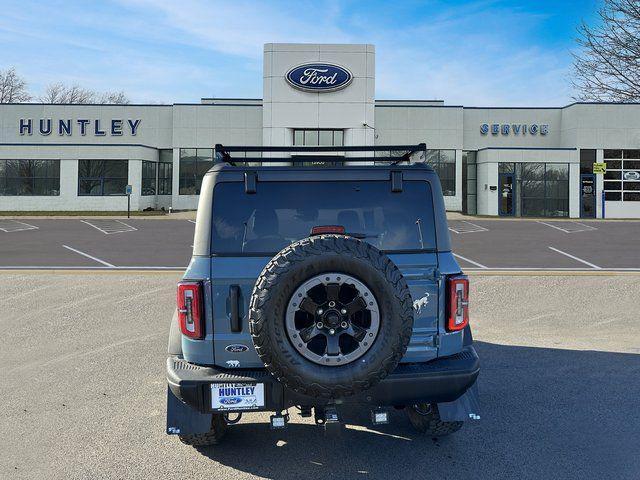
(491, 160)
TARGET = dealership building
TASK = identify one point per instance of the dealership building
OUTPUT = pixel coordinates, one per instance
(511, 161)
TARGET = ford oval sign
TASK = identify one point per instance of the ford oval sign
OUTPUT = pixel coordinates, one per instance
(319, 77)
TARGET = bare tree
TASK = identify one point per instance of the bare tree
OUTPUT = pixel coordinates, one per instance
(119, 98)
(13, 89)
(61, 93)
(75, 94)
(607, 68)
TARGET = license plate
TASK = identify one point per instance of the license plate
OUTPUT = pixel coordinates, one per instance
(237, 396)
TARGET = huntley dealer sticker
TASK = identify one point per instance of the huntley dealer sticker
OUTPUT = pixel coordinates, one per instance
(237, 396)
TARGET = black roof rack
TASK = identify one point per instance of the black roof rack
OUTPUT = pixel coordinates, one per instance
(390, 153)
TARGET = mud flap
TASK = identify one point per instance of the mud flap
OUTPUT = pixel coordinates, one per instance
(184, 420)
(465, 408)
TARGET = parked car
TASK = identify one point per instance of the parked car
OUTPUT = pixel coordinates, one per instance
(317, 287)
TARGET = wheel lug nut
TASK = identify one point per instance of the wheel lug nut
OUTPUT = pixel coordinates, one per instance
(319, 325)
(343, 311)
(343, 324)
(332, 331)
(320, 311)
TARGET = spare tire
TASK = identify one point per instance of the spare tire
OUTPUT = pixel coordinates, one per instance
(330, 316)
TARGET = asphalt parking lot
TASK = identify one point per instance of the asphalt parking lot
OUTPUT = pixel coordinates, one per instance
(91, 243)
(83, 389)
(479, 244)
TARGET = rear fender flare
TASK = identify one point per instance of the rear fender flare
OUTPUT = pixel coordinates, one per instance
(175, 336)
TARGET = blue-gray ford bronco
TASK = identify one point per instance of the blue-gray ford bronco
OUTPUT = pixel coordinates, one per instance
(320, 284)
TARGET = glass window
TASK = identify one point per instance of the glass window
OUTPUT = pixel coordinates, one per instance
(194, 163)
(326, 137)
(532, 207)
(315, 137)
(614, 164)
(469, 156)
(620, 182)
(469, 182)
(30, 177)
(506, 167)
(165, 178)
(444, 163)
(556, 171)
(165, 172)
(612, 154)
(188, 176)
(275, 216)
(102, 177)
(533, 171)
(311, 138)
(543, 189)
(149, 170)
(165, 155)
(615, 196)
(587, 159)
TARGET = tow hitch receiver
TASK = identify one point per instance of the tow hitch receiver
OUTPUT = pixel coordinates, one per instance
(379, 416)
(305, 411)
(328, 417)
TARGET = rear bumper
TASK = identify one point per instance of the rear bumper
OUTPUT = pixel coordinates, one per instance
(441, 380)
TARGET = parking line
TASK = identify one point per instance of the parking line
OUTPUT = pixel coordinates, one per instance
(477, 228)
(469, 261)
(89, 256)
(192, 221)
(109, 231)
(577, 259)
(587, 228)
(10, 226)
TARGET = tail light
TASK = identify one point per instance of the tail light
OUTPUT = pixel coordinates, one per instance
(321, 229)
(458, 302)
(190, 310)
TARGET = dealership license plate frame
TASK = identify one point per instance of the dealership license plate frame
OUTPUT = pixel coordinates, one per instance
(240, 400)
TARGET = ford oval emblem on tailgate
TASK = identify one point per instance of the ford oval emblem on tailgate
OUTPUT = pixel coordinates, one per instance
(236, 348)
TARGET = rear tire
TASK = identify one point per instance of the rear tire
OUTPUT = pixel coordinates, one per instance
(425, 418)
(212, 437)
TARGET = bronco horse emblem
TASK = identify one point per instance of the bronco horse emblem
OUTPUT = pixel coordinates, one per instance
(421, 303)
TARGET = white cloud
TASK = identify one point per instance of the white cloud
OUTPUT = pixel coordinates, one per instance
(480, 53)
(241, 28)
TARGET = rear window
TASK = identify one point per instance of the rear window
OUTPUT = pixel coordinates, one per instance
(281, 213)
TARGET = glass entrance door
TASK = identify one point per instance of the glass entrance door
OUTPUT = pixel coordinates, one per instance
(506, 184)
(587, 196)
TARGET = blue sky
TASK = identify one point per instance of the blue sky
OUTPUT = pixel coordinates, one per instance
(474, 53)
